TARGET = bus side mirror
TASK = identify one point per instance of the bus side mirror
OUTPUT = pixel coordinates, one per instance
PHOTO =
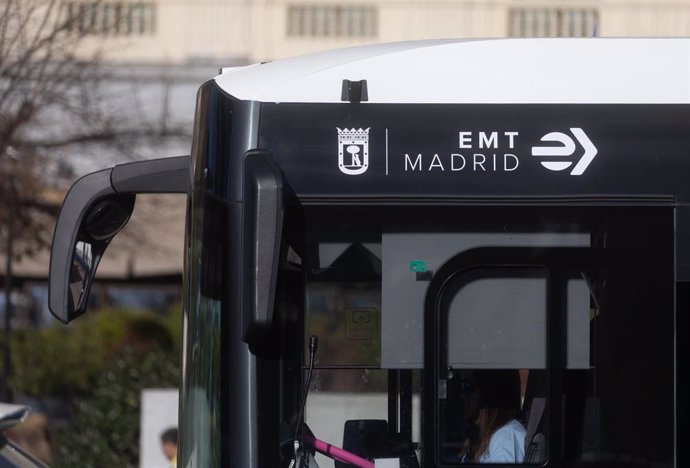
(95, 209)
(101, 223)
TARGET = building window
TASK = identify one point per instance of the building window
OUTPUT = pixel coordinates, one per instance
(332, 21)
(553, 22)
(109, 18)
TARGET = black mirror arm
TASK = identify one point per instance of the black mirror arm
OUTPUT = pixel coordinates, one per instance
(123, 182)
(167, 175)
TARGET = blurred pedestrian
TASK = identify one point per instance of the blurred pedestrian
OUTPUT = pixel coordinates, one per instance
(169, 445)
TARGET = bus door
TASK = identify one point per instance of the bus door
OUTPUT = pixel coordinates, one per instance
(500, 315)
(575, 341)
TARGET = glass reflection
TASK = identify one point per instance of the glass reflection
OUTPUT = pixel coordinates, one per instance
(81, 271)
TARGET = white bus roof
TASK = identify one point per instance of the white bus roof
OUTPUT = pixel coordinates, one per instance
(501, 71)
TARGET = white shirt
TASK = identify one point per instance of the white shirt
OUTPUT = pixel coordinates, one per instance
(507, 444)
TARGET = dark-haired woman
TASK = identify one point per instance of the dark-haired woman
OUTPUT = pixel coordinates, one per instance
(500, 437)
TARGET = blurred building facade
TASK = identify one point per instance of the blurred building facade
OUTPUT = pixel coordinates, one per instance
(141, 269)
(229, 32)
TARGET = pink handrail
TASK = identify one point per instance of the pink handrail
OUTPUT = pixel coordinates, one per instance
(336, 453)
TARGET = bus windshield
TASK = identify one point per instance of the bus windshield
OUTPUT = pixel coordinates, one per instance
(438, 327)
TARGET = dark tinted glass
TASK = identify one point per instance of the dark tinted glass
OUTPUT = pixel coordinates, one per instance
(207, 280)
(607, 396)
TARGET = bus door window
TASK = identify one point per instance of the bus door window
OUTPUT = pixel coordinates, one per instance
(500, 333)
(494, 321)
(497, 322)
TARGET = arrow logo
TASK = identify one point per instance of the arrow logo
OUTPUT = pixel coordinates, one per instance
(566, 149)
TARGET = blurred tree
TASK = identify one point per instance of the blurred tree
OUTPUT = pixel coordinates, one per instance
(59, 361)
(106, 430)
(52, 100)
(53, 97)
(39, 74)
(98, 367)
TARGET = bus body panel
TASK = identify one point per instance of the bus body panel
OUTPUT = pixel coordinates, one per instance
(481, 151)
(497, 71)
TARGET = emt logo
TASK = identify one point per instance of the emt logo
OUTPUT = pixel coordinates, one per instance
(564, 150)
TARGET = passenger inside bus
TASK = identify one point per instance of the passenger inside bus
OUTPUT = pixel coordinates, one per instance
(484, 413)
(499, 436)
